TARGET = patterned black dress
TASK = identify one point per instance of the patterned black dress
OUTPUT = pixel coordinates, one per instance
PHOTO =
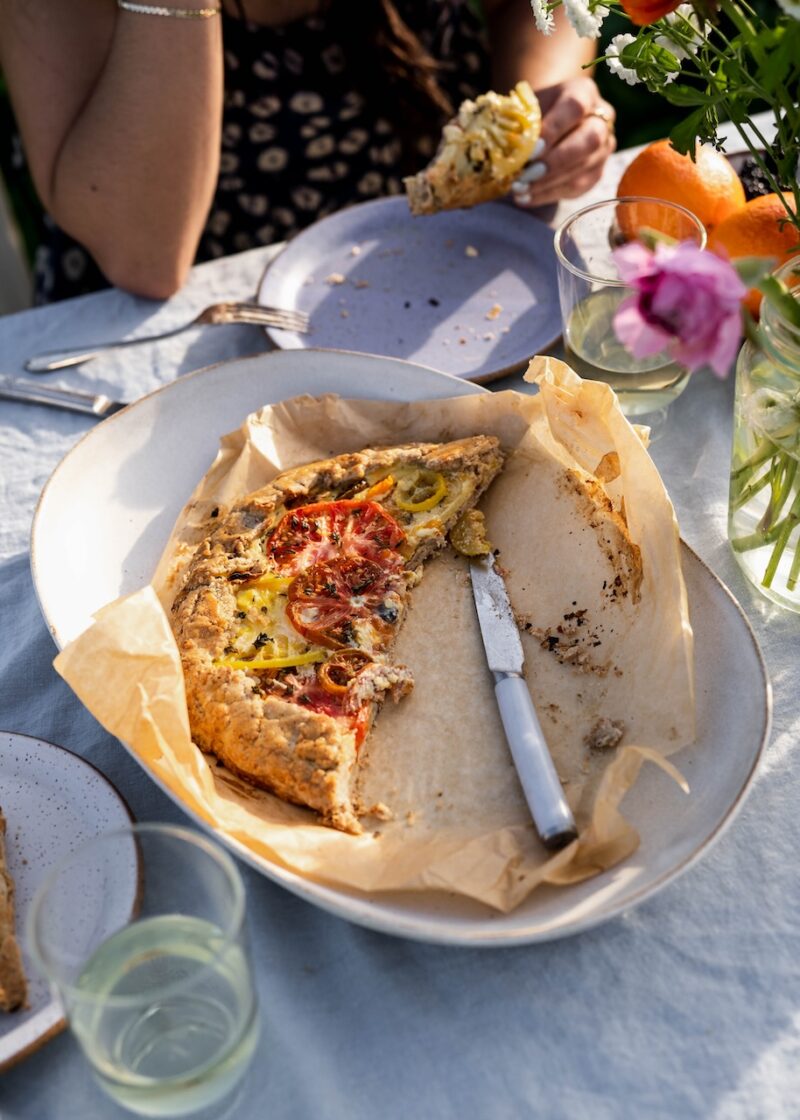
(310, 125)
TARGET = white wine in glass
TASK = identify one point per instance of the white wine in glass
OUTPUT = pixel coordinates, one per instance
(186, 1047)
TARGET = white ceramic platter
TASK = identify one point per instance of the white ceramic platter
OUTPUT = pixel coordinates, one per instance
(53, 801)
(471, 292)
(106, 513)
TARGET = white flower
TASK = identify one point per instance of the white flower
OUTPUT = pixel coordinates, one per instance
(585, 21)
(775, 413)
(791, 7)
(613, 51)
(544, 18)
(682, 35)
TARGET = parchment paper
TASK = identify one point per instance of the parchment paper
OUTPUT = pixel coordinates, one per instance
(439, 759)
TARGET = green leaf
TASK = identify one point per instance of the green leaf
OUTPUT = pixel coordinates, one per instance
(688, 95)
(753, 269)
(781, 298)
(685, 134)
(653, 237)
(652, 63)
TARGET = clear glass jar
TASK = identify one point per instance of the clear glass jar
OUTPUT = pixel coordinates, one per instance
(764, 509)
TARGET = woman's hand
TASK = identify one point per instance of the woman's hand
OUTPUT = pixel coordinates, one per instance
(577, 139)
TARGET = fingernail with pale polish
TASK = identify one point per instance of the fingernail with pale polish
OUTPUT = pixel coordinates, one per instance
(519, 186)
(538, 148)
(533, 172)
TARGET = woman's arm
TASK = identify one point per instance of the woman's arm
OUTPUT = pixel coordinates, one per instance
(120, 116)
(577, 125)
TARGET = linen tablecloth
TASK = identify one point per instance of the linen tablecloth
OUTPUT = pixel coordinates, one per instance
(688, 1006)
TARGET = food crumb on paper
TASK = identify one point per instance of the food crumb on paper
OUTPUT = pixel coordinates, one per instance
(471, 251)
(335, 278)
(493, 311)
(605, 734)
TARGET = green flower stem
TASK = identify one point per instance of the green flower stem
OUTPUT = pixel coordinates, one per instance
(782, 474)
(794, 572)
(745, 29)
(750, 491)
(789, 525)
(765, 450)
(757, 539)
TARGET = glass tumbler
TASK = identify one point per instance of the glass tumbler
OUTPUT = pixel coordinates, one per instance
(590, 291)
(161, 999)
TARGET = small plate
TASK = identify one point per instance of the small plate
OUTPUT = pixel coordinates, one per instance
(115, 497)
(469, 292)
(53, 800)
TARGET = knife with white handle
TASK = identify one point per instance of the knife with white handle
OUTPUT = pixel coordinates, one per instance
(537, 774)
(58, 396)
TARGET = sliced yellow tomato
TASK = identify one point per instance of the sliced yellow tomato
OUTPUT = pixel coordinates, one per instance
(261, 591)
(270, 581)
(274, 662)
(420, 492)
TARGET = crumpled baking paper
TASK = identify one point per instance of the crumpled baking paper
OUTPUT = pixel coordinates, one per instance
(576, 471)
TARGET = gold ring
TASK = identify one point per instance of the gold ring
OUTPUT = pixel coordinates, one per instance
(604, 115)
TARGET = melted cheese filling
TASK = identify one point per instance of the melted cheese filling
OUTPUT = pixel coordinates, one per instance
(494, 132)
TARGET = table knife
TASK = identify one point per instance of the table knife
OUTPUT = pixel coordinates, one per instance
(58, 396)
(537, 774)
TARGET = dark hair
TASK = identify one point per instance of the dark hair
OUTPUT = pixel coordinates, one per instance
(395, 66)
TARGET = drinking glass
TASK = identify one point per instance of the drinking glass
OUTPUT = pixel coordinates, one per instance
(590, 291)
(163, 1005)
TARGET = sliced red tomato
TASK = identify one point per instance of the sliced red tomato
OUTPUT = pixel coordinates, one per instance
(319, 532)
(327, 598)
(307, 691)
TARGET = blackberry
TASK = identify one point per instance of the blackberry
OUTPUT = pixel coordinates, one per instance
(754, 180)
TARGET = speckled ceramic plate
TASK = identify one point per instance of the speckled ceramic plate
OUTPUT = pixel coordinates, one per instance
(115, 498)
(468, 292)
(53, 801)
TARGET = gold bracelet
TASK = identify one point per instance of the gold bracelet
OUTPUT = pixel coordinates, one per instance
(176, 13)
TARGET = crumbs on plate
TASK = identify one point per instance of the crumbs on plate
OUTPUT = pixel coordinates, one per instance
(471, 251)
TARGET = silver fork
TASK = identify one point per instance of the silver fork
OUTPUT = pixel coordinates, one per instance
(217, 313)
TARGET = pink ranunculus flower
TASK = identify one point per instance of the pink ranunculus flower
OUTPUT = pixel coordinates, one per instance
(685, 300)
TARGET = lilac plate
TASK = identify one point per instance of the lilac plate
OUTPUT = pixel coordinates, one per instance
(468, 292)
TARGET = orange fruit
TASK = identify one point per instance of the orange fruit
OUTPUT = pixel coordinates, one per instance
(759, 229)
(708, 186)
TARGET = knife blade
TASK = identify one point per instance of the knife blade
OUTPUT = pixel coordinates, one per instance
(504, 654)
(59, 396)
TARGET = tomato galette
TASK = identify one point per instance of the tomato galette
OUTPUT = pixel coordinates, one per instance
(291, 606)
(481, 152)
(13, 985)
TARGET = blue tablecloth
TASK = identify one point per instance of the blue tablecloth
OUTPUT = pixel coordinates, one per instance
(688, 1006)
